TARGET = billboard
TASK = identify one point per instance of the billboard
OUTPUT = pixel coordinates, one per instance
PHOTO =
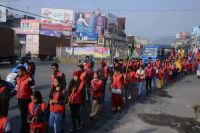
(99, 23)
(2, 13)
(112, 23)
(90, 21)
(30, 24)
(26, 32)
(50, 33)
(56, 19)
(97, 52)
(32, 44)
(86, 37)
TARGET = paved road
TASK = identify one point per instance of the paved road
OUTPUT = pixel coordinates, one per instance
(176, 101)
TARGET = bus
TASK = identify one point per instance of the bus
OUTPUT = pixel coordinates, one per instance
(157, 52)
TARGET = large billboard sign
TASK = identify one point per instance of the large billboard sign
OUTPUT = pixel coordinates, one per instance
(112, 23)
(90, 21)
(56, 19)
(86, 37)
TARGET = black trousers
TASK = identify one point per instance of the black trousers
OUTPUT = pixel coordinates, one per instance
(23, 107)
(4, 105)
(75, 108)
(148, 84)
(104, 88)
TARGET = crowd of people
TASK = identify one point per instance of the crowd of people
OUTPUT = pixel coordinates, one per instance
(129, 80)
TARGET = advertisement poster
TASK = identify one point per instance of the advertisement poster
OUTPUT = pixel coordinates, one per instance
(99, 22)
(29, 24)
(84, 21)
(86, 37)
(50, 33)
(2, 13)
(83, 50)
(101, 52)
(32, 44)
(57, 19)
(25, 32)
(112, 24)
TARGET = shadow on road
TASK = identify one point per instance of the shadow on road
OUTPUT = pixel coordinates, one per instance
(181, 124)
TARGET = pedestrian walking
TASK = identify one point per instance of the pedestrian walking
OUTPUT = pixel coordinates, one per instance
(140, 76)
(57, 105)
(117, 86)
(24, 87)
(96, 92)
(148, 77)
(75, 100)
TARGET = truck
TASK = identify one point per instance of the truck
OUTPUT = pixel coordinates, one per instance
(7, 45)
(48, 44)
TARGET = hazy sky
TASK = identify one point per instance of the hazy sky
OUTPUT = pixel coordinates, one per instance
(148, 18)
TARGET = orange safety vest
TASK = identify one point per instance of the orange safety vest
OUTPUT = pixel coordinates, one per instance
(117, 81)
(57, 108)
(3, 122)
(33, 113)
(148, 72)
(96, 88)
(23, 89)
(75, 97)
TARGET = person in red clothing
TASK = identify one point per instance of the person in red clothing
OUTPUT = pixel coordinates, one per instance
(75, 100)
(24, 87)
(96, 92)
(130, 83)
(196, 63)
(5, 125)
(148, 75)
(57, 105)
(103, 73)
(158, 63)
(57, 73)
(37, 114)
(169, 72)
(116, 86)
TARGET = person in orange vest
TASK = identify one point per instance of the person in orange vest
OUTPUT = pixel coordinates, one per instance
(169, 72)
(154, 75)
(37, 113)
(148, 75)
(196, 63)
(24, 87)
(5, 125)
(158, 63)
(160, 78)
(5, 93)
(103, 74)
(140, 76)
(129, 82)
(75, 96)
(57, 105)
(116, 88)
(57, 73)
(96, 92)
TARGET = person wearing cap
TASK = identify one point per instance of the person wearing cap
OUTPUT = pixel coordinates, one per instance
(140, 76)
(116, 88)
(24, 87)
(96, 92)
(103, 74)
(75, 95)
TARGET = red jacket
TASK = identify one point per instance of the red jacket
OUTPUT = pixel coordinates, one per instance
(130, 77)
(3, 122)
(158, 64)
(23, 89)
(33, 113)
(117, 81)
(149, 72)
(96, 88)
(57, 107)
(75, 96)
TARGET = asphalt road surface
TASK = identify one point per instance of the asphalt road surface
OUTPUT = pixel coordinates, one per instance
(166, 111)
